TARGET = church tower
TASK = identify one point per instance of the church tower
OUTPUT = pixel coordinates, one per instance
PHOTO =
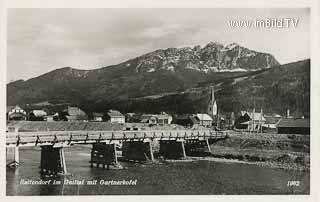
(212, 106)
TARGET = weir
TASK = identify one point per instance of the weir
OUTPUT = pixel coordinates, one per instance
(172, 149)
(103, 154)
(52, 160)
(137, 151)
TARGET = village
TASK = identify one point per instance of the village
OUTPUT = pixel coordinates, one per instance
(242, 121)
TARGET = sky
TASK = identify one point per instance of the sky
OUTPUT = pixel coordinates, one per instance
(40, 40)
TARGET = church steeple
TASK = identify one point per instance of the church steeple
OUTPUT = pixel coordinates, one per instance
(212, 95)
(212, 106)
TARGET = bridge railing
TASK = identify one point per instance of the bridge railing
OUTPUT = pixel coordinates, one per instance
(78, 137)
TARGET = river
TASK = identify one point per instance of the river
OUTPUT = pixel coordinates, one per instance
(195, 177)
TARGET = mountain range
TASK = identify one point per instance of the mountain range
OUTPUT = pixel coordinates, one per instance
(175, 80)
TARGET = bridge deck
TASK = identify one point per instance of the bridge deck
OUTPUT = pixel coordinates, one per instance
(87, 137)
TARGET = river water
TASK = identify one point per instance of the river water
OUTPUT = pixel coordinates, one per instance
(196, 177)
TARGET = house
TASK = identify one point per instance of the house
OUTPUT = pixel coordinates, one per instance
(149, 118)
(52, 117)
(204, 119)
(187, 120)
(37, 115)
(16, 113)
(98, 117)
(73, 114)
(222, 121)
(250, 121)
(115, 116)
(294, 126)
(162, 118)
(133, 118)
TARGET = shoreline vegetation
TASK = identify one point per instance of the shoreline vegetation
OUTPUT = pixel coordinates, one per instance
(267, 164)
(286, 151)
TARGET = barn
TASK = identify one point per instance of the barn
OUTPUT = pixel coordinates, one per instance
(294, 126)
(187, 120)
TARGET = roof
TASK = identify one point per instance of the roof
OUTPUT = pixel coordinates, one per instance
(242, 112)
(96, 114)
(146, 116)
(204, 117)
(114, 113)
(163, 116)
(39, 113)
(276, 115)
(294, 123)
(75, 111)
(245, 123)
(187, 117)
(9, 108)
(271, 120)
(157, 116)
(250, 122)
(144, 120)
(183, 117)
(194, 120)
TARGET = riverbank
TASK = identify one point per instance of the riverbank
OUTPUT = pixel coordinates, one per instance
(268, 149)
(267, 164)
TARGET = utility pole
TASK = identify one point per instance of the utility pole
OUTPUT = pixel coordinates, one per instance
(261, 113)
(254, 106)
(254, 111)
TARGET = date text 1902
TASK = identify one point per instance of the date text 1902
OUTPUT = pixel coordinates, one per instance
(293, 183)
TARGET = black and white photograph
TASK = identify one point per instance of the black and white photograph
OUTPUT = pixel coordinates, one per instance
(158, 101)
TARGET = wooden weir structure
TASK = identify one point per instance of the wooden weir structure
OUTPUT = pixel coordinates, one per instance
(136, 145)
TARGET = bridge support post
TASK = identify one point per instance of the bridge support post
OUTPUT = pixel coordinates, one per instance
(172, 149)
(14, 151)
(52, 161)
(137, 151)
(103, 154)
(197, 147)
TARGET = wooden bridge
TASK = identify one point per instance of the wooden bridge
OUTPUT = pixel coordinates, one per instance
(22, 139)
(136, 145)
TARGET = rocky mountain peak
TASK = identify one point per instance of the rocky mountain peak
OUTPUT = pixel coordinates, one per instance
(213, 57)
(214, 45)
